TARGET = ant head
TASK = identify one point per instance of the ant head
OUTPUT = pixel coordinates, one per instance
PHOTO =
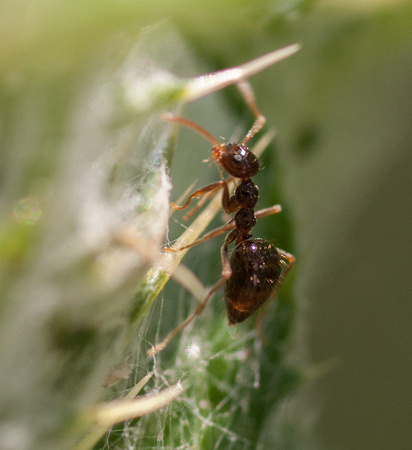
(237, 160)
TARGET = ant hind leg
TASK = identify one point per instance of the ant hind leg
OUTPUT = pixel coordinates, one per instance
(162, 345)
(288, 260)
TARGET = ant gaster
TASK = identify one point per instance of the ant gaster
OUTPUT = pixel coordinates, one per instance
(256, 268)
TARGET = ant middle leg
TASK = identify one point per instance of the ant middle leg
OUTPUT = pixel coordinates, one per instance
(211, 234)
(232, 236)
(230, 225)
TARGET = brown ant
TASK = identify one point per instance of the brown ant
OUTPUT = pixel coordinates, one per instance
(256, 268)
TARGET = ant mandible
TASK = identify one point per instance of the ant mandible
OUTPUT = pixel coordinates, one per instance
(256, 268)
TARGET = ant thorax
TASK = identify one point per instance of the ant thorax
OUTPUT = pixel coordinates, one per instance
(247, 194)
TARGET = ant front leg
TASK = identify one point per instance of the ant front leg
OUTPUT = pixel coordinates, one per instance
(199, 193)
(249, 97)
(229, 202)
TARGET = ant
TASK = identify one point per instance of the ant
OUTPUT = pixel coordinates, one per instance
(256, 268)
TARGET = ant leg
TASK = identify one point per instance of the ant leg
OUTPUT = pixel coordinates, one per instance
(247, 93)
(268, 211)
(230, 225)
(199, 204)
(288, 260)
(226, 269)
(216, 232)
(168, 117)
(199, 193)
(289, 264)
(161, 346)
(229, 203)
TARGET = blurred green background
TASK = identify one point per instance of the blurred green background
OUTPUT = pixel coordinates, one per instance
(340, 166)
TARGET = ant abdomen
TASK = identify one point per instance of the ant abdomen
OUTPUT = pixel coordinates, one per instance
(237, 160)
(256, 270)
